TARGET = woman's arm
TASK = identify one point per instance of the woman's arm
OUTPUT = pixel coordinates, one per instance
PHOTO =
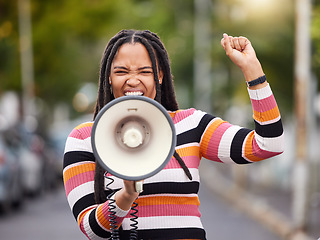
(127, 195)
(224, 142)
(78, 175)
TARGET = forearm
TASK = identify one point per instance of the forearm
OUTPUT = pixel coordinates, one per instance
(268, 138)
(253, 71)
(79, 187)
(235, 144)
(124, 200)
(78, 175)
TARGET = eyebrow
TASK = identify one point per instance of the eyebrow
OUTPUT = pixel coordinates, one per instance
(141, 68)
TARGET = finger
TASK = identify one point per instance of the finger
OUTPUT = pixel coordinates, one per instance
(237, 44)
(222, 43)
(224, 40)
(231, 39)
(226, 43)
(129, 186)
(243, 41)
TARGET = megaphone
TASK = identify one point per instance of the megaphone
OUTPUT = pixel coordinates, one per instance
(133, 137)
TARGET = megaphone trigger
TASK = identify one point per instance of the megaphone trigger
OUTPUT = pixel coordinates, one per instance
(139, 186)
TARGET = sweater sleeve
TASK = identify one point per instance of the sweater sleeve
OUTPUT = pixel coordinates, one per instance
(224, 142)
(78, 175)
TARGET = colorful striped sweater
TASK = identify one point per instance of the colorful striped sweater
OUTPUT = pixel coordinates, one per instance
(168, 208)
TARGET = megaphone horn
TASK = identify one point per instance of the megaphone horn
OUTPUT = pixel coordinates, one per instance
(133, 137)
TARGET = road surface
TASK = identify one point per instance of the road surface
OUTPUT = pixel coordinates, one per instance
(48, 217)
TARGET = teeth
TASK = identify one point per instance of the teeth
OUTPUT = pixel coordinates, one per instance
(133, 93)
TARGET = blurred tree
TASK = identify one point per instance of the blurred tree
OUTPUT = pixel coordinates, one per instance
(270, 27)
(69, 38)
(66, 45)
(9, 46)
(315, 34)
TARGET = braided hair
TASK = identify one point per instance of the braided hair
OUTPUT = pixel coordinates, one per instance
(165, 94)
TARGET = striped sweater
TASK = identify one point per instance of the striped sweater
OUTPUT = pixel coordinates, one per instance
(168, 208)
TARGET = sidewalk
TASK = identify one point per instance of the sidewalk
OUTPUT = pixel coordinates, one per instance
(271, 209)
(224, 222)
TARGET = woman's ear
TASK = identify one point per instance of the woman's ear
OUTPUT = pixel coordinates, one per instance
(109, 80)
(160, 77)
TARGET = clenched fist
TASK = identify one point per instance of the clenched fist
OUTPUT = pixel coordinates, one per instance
(241, 52)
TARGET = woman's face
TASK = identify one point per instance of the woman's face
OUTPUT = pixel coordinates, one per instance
(132, 73)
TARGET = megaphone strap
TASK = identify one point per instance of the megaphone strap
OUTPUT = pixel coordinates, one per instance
(182, 164)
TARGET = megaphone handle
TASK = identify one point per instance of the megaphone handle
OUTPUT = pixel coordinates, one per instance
(139, 186)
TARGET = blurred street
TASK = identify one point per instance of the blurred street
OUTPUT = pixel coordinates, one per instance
(45, 217)
(49, 217)
(223, 222)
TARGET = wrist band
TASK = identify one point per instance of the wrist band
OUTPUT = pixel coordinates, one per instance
(257, 81)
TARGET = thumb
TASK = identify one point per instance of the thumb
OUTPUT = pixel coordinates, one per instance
(225, 42)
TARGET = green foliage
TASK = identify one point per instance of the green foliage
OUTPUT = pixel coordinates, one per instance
(9, 47)
(315, 32)
(270, 28)
(69, 38)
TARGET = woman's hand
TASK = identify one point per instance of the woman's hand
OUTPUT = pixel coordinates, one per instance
(127, 195)
(241, 52)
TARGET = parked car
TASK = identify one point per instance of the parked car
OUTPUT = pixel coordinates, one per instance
(57, 143)
(11, 194)
(52, 163)
(24, 146)
(58, 135)
(54, 155)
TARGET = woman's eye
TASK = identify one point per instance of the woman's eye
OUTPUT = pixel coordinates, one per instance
(146, 72)
(121, 72)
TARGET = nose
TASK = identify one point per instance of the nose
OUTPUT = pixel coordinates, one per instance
(133, 81)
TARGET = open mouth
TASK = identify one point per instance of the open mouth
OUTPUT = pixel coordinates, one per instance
(137, 93)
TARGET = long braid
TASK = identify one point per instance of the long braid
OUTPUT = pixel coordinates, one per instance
(154, 67)
(168, 98)
(165, 93)
(104, 96)
(168, 94)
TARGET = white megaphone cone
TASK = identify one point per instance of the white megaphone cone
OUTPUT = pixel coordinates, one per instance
(133, 138)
